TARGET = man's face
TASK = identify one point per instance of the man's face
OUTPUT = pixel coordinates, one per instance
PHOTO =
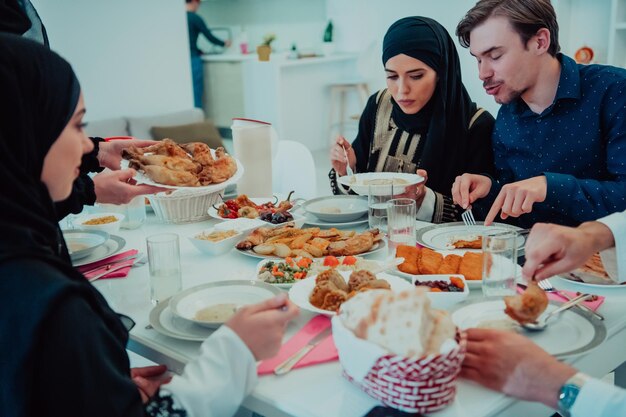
(506, 67)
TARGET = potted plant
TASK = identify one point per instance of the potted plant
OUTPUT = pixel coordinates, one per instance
(328, 47)
(265, 48)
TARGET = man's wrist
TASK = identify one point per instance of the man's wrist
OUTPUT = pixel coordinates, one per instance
(599, 234)
(555, 377)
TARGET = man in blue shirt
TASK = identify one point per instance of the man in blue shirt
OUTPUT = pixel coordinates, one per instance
(196, 26)
(560, 136)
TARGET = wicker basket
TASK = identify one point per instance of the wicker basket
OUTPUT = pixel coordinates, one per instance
(183, 206)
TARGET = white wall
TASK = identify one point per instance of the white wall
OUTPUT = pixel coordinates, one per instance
(356, 30)
(131, 57)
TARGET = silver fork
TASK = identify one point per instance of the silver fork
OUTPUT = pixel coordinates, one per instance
(348, 169)
(547, 287)
(468, 217)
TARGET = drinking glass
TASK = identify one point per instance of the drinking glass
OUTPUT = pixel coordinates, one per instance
(164, 263)
(499, 264)
(377, 198)
(401, 223)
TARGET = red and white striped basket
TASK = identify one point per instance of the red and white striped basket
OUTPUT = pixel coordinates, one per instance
(417, 386)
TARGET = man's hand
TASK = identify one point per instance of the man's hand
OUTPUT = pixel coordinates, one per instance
(552, 249)
(110, 153)
(468, 188)
(149, 379)
(118, 187)
(512, 364)
(338, 157)
(262, 326)
(518, 198)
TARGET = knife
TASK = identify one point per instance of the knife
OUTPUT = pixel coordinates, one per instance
(291, 361)
(108, 271)
(568, 298)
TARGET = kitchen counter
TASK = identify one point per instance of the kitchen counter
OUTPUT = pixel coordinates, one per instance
(292, 94)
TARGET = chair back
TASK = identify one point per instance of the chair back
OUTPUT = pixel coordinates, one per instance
(293, 169)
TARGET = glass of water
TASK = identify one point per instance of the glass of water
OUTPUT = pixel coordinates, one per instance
(499, 264)
(401, 223)
(377, 198)
(164, 262)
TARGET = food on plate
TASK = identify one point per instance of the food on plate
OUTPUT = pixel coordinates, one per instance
(527, 306)
(411, 256)
(402, 323)
(283, 272)
(385, 181)
(76, 246)
(330, 210)
(216, 236)
(311, 242)
(450, 265)
(242, 206)
(424, 261)
(186, 165)
(331, 288)
(456, 284)
(594, 266)
(472, 266)
(100, 220)
(467, 242)
(216, 313)
(429, 261)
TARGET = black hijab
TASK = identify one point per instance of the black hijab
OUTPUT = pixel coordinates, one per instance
(39, 96)
(13, 18)
(446, 116)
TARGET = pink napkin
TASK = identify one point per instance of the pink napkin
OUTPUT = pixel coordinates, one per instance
(594, 305)
(120, 273)
(324, 351)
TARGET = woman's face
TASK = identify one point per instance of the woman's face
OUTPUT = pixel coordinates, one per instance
(62, 162)
(410, 82)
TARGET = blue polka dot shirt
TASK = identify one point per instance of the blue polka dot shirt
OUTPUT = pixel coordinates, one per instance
(578, 143)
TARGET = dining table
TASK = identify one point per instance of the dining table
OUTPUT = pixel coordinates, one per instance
(318, 390)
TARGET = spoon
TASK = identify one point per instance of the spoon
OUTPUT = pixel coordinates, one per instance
(542, 323)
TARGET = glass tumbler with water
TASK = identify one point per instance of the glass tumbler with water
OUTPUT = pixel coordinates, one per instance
(377, 198)
(500, 264)
(164, 262)
(401, 223)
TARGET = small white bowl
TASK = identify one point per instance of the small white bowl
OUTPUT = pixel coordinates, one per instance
(215, 248)
(298, 221)
(337, 209)
(111, 227)
(81, 243)
(444, 299)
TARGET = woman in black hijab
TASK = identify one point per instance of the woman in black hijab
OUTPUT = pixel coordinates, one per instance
(63, 348)
(424, 121)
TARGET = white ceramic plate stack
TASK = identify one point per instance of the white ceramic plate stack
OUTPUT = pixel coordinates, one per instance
(177, 318)
(111, 245)
(82, 243)
(336, 211)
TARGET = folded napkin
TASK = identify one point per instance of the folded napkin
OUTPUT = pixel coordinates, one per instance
(99, 267)
(594, 305)
(324, 351)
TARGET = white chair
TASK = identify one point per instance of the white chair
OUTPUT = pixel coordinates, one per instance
(293, 169)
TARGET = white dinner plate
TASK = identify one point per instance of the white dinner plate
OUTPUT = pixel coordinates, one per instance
(301, 290)
(311, 220)
(142, 178)
(163, 321)
(605, 290)
(378, 246)
(110, 247)
(187, 303)
(81, 242)
(440, 236)
(572, 332)
(473, 284)
(359, 183)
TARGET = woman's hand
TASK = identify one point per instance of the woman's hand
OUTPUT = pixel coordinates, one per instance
(416, 192)
(338, 156)
(262, 326)
(149, 379)
(118, 187)
(468, 188)
(110, 153)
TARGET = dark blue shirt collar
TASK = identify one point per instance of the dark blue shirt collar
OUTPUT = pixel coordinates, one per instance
(569, 85)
